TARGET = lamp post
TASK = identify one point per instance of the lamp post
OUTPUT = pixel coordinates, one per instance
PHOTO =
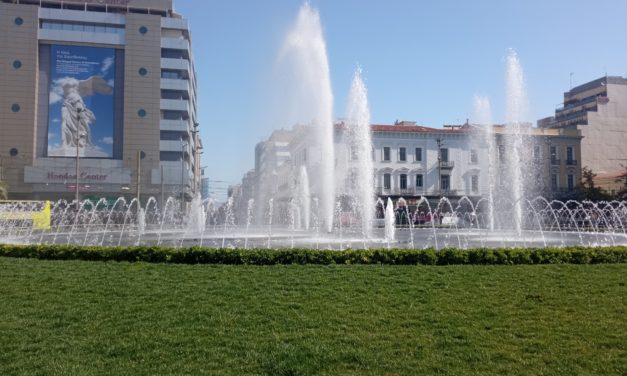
(140, 155)
(78, 140)
(183, 147)
(440, 143)
(196, 156)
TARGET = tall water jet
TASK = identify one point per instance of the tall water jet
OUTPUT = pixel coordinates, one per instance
(516, 110)
(483, 117)
(197, 215)
(305, 48)
(390, 221)
(305, 197)
(358, 119)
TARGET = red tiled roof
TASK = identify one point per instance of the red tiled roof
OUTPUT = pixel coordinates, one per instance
(412, 129)
(397, 128)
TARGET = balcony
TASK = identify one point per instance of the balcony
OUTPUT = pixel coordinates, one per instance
(176, 64)
(174, 23)
(174, 145)
(555, 162)
(175, 43)
(447, 165)
(175, 105)
(174, 125)
(175, 84)
(571, 162)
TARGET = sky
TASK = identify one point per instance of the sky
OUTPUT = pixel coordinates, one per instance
(422, 61)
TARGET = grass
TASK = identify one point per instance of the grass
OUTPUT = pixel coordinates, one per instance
(75, 317)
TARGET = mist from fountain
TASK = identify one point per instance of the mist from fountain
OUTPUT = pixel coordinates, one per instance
(360, 138)
(305, 197)
(305, 53)
(390, 222)
(483, 116)
(517, 149)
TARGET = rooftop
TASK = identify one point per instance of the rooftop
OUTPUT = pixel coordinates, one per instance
(612, 80)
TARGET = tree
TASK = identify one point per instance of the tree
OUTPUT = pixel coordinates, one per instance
(4, 192)
(622, 194)
(588, 190)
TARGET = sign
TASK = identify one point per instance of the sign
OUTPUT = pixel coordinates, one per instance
(81, 111)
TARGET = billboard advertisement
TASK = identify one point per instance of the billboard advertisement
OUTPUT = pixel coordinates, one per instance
(81, 111)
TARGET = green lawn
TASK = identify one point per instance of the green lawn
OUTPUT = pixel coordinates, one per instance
(81, 318)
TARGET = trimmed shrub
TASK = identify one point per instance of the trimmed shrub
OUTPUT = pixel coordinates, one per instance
(448, 256)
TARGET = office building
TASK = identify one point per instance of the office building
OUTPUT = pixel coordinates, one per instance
(599, 110)
(107, 85)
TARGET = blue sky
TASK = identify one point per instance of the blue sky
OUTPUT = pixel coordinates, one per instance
(422, 60)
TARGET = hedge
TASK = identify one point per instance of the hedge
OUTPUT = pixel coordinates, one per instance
(448, 256)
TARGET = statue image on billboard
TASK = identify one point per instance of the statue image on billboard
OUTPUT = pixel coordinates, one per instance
(75, 116)
(81, 102)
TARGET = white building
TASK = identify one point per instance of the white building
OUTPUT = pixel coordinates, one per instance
(412, 160)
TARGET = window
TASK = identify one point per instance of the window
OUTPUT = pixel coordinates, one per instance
(445, 182)
(386, 153)
(474, 158)
(82, 27)
(536, 152)
(553, 153)
(474, 183)
(403, 181)
(571, 182)
(502, 153)
(172, 74)
(444, 155)
(554, 182)
(171, 156)
(569, 154)
(173, 115)
(418, 155)
(402, 154)
(419, 181)
(387, 181)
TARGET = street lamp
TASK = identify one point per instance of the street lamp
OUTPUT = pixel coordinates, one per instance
(140, 155)
(183, 148)
(440, 143)
(78, 140)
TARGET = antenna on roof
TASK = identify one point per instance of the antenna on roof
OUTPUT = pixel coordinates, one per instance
(571, 80)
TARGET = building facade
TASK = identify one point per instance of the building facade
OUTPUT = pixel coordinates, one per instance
(99, 98)
(599, 110)
(412, 161)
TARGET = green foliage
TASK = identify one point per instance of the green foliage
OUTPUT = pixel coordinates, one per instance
(588, 190)
(4, 191)
(448, 256)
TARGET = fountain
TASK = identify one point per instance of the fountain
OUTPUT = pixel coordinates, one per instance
(304, 54)
(358, 120)
(310, 211)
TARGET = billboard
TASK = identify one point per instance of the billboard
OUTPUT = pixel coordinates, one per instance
(81, 111)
